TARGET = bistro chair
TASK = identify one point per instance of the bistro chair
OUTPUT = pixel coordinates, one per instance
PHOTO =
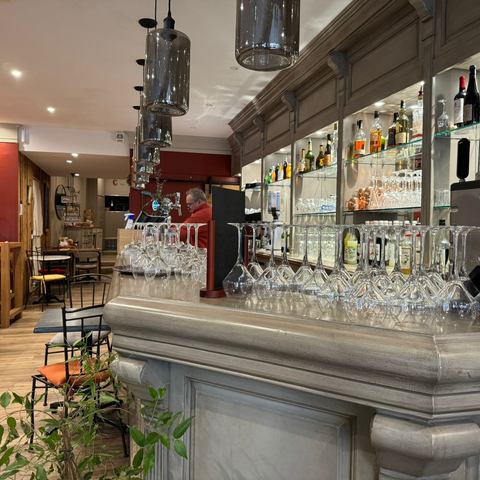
(68, 377)
(83, 291)
(85, 262)
(42, 277)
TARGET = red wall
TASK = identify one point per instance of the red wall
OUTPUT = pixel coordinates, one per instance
(9, 198)
(184, 166)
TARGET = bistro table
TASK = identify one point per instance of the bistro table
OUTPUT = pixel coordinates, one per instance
(52, 322)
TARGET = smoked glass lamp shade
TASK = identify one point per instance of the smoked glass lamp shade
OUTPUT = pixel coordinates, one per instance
(166, 79)
(147, 168)
(140, 178)
(267, 34)
(138, 185)
(155, 129)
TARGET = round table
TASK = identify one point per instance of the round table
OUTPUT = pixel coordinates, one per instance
(49, 258)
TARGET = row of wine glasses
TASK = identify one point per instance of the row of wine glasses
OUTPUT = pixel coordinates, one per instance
(156, 252)
(372, 293)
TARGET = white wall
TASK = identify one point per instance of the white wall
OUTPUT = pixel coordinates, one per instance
(8, 133)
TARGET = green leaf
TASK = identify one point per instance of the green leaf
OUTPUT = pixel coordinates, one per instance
(170, 421)
(137, 460)
(180, 448)
(165, 441)
(161, 392)
(5, 459)
(12, 423)
(41, 473)
(149, 460)
(137, 436)
(18, 399)
(182, 428)
(108, 399)
(1, 433)
(9, 474)
(153, 393)
(5, 399)
(153, 438)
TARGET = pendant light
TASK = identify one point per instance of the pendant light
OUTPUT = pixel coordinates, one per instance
(267, 34)
(155, 129)
(144, 154)
(143, 169)
(167, 69)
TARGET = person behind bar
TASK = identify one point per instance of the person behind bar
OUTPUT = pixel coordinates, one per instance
(201, 212)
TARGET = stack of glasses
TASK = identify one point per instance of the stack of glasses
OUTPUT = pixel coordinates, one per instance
(371, 294)
(159, 253)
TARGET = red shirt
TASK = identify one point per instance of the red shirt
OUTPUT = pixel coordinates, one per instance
(201, 215)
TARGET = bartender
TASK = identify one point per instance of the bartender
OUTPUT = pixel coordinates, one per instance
(201, 212)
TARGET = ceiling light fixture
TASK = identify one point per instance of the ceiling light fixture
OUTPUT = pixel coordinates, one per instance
(76, 174)
(282, 149)
(16, 73)
(320, 132)
(51, 109)
(379, 104)
(69, 161)
(267, 34)
(167, 69)
(75, 155)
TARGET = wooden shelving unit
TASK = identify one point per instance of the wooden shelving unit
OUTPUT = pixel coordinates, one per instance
(7, 313)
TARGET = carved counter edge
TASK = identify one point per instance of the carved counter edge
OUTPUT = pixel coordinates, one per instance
(415, 374)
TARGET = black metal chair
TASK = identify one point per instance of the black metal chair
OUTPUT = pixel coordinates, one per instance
(69, 377)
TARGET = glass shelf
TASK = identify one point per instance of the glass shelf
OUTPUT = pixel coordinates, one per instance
(253, 189)
(472, 132)
(313, 214)
(330, 171)
(389, 156)
(281, 183)
(394, 210)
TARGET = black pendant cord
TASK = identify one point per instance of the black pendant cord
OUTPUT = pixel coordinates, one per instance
(169, 8)
(155, 12)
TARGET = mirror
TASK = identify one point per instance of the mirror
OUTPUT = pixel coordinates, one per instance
(60, 202)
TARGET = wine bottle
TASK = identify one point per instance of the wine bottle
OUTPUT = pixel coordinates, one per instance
(335, 144)
(277, 173)
(392, 131)
(402, 125)
(309, 158)
(376, 134)
(417, 117)
(459, 102)
(285, 164)
(320, 159)
(359, 141)
(471, 109)
(327, 159)
(301, 163)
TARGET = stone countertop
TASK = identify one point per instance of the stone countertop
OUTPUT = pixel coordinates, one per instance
(428, 372)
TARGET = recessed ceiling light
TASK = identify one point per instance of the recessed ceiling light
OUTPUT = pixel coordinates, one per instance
(75, 155)
(234, 68)
(16, 73)
(422, 83)
(256, 161)
(320, 132)
(379, 104)
(76, 174)
(283, 149)
(413, 106)
(51, 109)
(69, 161)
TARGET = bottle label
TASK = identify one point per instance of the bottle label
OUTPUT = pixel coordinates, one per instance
(458, 111)
(375, 141)
(351, 255)
(326, 159)
(359, 148)
(391, 137)
(401, 137)
(406, 258)
(417, 128)
(467, 113)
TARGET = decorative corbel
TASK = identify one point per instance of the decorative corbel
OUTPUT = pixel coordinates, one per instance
(238, 136)
(289, 99)
(425, 8)
(338, 63)
(259, 122)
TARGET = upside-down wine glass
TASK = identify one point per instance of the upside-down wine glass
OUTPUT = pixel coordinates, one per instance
(284, 268)
(397, 277)
(422, 273)
(432, 272)
(443, 120)
(253, 267)
(380, 275)
(464, 276)
(304, 273)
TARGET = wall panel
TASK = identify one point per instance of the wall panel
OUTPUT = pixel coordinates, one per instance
(252, 145)
(277, 130)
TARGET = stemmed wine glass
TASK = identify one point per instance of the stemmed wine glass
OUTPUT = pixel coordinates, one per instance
(397, 277)
(360, 270)
(422, 273)
(284, 268)
(443, 119)
(464, 276)
(271, 285)
(253, 267)
(380, 275)
(315, 283)
(432, 272)
(454, 301)
(238, 281)
(304, 273)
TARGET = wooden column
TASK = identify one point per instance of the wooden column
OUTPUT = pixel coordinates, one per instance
(7, 312)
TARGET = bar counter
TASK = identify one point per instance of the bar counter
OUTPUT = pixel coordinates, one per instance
(285, 393)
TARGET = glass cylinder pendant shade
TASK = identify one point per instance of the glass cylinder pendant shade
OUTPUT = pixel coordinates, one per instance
(155, 129)
(138, 185)
(267, 34)
(147, 168)
(166, 79)
(140, 178)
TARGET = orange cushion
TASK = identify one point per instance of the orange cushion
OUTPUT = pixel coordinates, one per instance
(57, 375)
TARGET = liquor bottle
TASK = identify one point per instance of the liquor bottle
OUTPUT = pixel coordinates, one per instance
(289, 170)
(309, 158)
(274, 178)
(301, 163)
(376, 134)
(335, 144)
(351, 247)
(406, 252)
(327, 159)
(269, 176)
(277, 173)
(285, 173)
(459, 103)
(417, 117)
(359, 141)
(402, 125)
(320, 159)
(392, 131)
(471, 109)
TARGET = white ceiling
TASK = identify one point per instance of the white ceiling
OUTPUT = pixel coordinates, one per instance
(78, 56)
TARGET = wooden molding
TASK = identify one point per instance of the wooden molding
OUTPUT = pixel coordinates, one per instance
(424, 8)
(289, 99)
(338, 63)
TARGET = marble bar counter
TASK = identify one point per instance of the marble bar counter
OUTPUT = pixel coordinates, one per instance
(284, 393)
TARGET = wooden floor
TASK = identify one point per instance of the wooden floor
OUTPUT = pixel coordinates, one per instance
(22, 352)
